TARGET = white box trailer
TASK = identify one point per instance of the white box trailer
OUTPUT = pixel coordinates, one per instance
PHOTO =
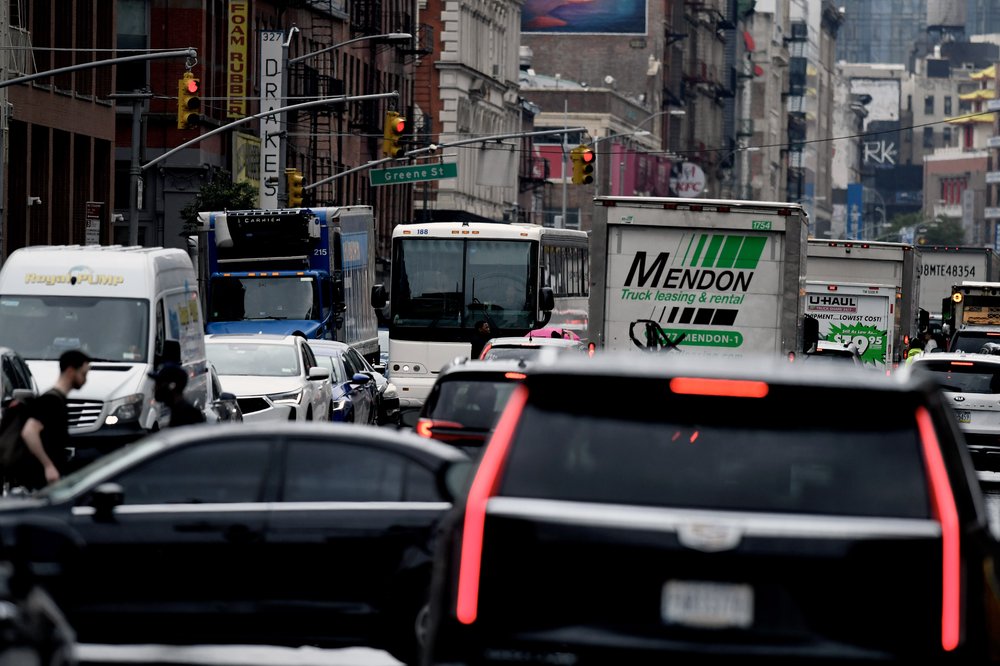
(727, 275)
(858, 314)
(941, 268)
(873, 263)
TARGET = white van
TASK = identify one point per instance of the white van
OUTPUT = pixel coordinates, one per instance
(129, 308)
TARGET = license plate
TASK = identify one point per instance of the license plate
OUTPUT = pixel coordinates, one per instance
(707, 605)
(964, 417)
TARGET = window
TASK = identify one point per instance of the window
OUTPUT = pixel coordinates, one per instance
(323, 472)
(946, 136)
(217, 472)
(928, 137)
(929, 105)
(947, 105)
(565, 270)
(421, 486)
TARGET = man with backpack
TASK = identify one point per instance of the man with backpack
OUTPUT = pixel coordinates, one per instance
(45, 432)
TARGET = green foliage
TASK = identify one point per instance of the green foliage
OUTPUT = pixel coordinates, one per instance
(926, 231)
(220, 193)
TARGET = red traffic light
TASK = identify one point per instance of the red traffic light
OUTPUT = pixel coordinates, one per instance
(192, 86)
(400, 126)
(587, 156)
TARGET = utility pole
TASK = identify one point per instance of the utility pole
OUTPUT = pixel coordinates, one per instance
(138, 99)
(565, 149)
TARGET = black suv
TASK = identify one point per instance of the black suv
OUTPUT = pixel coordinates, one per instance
(754, 511)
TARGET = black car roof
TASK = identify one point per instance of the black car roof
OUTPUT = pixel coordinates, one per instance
(418, 447)
(768, 369)
(498, 367)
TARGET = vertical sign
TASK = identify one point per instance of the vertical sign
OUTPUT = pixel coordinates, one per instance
(270, 126)
(92, 230)
(969, 215)
(855, 206)
(236, 85)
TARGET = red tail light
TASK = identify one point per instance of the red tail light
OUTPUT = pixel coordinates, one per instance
(591, 349)
(486, 349)
(946, 513)
(733, 388)
(483, 487)
(425, 427)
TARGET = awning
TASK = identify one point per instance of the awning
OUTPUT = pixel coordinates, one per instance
(981, 94)
(988, 73)
(967, 120)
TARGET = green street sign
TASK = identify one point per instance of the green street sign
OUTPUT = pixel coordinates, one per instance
(413, 174)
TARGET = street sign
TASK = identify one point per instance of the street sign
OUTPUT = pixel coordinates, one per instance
(413, 174)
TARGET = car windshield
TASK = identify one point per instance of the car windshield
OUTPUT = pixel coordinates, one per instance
(512, 353)
(107, 329)
(454, 284)
(242, 298)
(249, 358)
(777, 454)
(474, 402)
(964, 376)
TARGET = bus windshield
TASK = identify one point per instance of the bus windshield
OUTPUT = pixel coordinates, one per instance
(43, 327)
(246, 298)
(453, 284)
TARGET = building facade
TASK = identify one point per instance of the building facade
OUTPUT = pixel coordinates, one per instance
(58, 132)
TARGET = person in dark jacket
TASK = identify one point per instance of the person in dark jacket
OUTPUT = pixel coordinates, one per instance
(171, 379)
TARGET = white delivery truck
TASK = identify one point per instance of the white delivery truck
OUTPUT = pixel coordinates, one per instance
(842, 264)
(725, 275)
(941, 268)
(129, 308)
(858, 314)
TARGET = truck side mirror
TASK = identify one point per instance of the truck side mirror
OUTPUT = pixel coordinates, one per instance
(810, 333)
(379, 296)
(546, 300)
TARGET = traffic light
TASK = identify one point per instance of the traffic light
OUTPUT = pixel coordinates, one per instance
(188, 101)
(583, 165)
(392, 133)
(294, 181)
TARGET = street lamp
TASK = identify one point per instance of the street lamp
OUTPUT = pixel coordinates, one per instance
(597, 162)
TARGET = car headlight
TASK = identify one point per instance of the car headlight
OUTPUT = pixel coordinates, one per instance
(288, 398)
(390, 391)
(125, 409)
(338, 405)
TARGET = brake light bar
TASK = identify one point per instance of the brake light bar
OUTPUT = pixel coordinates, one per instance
(483, 487)
(969, 363)
(946, 513)
(731, 388)
(515, 375)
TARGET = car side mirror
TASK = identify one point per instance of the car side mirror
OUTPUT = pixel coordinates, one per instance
(104, 499)
(546, 299)
(379, 368)
(379, 296)
(360, 378)
(317, 373)
(20, 395)
(227, 397)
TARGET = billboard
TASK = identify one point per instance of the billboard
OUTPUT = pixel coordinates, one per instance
(583, 17)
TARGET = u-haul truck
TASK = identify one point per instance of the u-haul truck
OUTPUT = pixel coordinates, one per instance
(858, 314)
(725, 275)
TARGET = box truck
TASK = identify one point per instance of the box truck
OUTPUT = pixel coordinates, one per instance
(707, 277)
(858, 314)
(845, 264)
(941, 268)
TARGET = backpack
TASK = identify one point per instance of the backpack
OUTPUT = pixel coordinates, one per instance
(12, 447)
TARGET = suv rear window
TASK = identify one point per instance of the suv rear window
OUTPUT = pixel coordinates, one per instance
(964, 376)
(971, 342)
(475, 401)
(799, 450)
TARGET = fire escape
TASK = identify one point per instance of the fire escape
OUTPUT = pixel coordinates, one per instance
(797, 125)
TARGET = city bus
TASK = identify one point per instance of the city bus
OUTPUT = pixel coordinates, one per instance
(449, 276)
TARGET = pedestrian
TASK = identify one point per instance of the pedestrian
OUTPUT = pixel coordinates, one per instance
(913, 350)
(480, 337)
(171, 379)
(46, 430)
(930, 344)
